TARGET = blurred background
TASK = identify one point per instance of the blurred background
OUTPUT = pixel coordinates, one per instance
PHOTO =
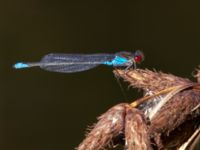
(49, 111)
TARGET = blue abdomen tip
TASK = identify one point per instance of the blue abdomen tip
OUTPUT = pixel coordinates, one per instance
(20, 65)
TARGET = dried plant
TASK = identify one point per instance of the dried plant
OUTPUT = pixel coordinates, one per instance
(166, 117)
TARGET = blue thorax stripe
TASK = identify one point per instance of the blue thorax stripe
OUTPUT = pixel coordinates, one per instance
(117, 61)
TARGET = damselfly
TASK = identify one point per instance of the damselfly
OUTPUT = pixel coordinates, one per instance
(69, 63)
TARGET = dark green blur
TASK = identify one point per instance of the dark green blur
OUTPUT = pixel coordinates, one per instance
(42, 110)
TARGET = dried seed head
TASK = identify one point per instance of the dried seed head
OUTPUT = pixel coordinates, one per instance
(175, 112)
(178, 105)
(110, 125)
(177, 109)
(136, 135)
(197, 75)
(150, 81)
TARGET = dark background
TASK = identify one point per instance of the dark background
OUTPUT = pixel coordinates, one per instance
(49, 111)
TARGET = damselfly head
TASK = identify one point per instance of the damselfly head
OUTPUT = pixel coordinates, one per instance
(138, 56)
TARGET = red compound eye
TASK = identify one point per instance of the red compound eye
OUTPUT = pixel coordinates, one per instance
(139, 56)
(138, 59)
